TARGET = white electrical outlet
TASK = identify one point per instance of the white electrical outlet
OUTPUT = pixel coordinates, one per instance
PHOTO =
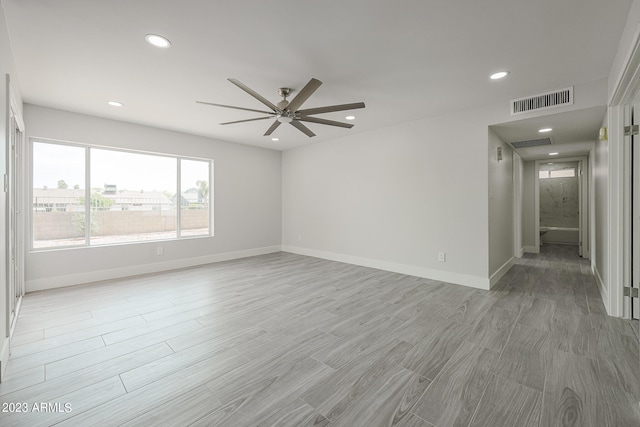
(442, 256)
(299, 237)
(159, 250)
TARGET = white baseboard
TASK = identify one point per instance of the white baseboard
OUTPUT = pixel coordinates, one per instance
(604, 292)
(495, 277)
(411, 270)
(4, 358)
(531, 249)
(117, 273)
(5, 352)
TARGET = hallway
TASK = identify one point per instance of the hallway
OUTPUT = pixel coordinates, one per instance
(589, 360)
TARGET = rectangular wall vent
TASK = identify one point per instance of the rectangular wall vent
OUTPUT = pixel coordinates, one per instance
(543, 101)
(531, 143)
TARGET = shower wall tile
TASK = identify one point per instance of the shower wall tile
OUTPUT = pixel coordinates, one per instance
(559, 200)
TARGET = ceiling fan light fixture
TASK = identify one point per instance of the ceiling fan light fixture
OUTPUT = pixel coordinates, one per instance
(350, 118)
(545, 130)
(157, 41)
(275, 139)
(284, 119)
(115, 103)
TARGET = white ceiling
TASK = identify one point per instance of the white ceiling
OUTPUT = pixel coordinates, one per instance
(405, 60)
(573, 133)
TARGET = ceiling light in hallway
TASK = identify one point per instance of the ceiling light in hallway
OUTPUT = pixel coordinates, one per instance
(157, 41)
(499, 75)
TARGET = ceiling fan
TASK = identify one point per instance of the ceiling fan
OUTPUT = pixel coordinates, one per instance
(288, 112)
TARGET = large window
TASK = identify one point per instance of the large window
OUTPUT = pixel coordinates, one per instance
(58, 191)
(94, 196)
(194, 206)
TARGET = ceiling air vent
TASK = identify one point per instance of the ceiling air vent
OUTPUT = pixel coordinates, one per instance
(543, 101)
(531, 143)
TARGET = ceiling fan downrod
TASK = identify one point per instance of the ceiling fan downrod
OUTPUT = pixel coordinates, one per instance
(283, 92)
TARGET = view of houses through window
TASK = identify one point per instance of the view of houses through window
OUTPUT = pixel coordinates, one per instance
(131, 197)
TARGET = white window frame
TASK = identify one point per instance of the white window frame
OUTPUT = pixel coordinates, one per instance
(87, 189)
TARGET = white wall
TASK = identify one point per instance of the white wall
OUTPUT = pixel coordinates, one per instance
(394, 198)
(501, 204)
(600, 178)
(6, 67)
(600, 260)
(529, 206)
(631, 29)
(518, 182)
(246, 196)
(4, 339)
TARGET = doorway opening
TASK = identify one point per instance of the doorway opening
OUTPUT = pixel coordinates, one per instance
(561, 203)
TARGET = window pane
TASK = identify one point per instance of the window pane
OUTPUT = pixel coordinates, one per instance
(58, 195)
(132, 197)
(543, 174)
(194, 212)
(563, 173)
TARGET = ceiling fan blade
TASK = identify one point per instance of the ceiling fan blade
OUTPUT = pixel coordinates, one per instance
(325, 122)
(331, 108)
(272, 128)
(246, 120)
(237, 108)
(253, 93)
(304, 94)
(302, 128)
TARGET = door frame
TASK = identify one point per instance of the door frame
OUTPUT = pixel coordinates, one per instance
(518, 210)
(634, 209)
(584, 202)
(14, 219)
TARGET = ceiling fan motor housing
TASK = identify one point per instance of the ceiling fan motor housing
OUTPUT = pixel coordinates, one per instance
(284, 92)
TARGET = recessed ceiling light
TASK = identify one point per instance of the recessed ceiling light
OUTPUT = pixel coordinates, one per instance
(499, 75)
(157, 41)
(115, 103)
(275, 139)
(350, 117)
(553, 154)
(545, 130)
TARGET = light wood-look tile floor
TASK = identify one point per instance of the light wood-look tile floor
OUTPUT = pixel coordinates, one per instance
(287, 340)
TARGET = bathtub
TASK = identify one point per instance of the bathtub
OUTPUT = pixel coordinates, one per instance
(560, 235)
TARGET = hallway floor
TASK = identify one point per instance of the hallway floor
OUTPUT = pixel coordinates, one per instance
(288, 340)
